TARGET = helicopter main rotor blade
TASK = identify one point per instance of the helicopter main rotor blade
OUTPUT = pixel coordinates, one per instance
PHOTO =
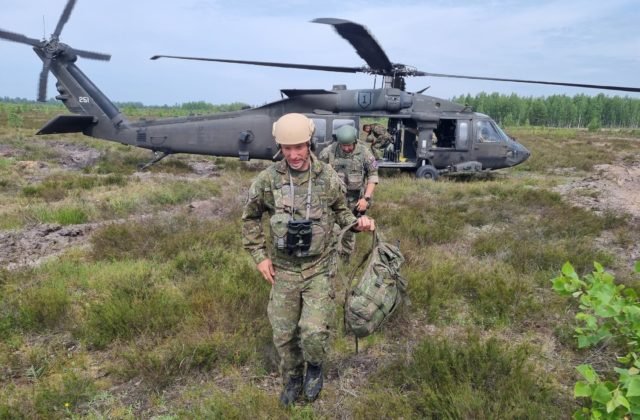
(11, 36)
(272, 64)
(64, 17)
(540, 82)
(91, 55)
(42, 84)
(365, 44)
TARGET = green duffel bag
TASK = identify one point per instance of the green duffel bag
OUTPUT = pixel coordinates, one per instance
(378, 292)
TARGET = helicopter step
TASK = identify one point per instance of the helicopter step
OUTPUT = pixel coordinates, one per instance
(157, 157)
(469, 167)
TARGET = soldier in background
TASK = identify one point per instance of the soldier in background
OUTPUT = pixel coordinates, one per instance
(366, 130)
(358, 169)
(380, 140)
(303, 198)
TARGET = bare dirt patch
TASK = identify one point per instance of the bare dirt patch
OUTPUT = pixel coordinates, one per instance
(75, 156)
(611, 188)
(33, 245)
(614, 188)
(30, 247)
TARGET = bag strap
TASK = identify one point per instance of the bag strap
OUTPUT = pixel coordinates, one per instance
(344, 230)
(348, 287)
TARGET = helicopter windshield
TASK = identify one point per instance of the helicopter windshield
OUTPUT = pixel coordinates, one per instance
(504, 135)
(488, 133)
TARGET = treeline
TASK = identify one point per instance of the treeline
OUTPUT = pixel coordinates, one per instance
(579, 111)
(24, 113)
(199, 106)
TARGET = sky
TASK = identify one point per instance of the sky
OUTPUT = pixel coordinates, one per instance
(579, 41)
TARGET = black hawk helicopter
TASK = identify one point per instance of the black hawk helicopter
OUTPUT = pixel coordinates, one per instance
(430, 135)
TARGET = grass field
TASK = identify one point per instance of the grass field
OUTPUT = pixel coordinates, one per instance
(160, 313)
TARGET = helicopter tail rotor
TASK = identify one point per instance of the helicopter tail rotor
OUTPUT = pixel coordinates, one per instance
(51, 49)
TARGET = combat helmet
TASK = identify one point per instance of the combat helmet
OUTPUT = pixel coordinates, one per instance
(293, 129)
(346, 134)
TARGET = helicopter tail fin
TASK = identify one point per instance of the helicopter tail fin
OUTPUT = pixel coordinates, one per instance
(67, 124)
(95, 115)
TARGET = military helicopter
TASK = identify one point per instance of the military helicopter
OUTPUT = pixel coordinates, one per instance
(431, 136)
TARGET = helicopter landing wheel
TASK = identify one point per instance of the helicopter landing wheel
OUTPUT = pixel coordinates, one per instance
(427, 172)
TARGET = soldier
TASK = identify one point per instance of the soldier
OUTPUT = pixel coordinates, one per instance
(303, 198)
(358, 169)
(380, 140)
(366, 131)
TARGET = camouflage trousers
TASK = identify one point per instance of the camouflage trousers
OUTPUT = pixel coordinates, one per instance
(301, 311)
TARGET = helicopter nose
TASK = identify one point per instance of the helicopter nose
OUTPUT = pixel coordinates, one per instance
(518, 154)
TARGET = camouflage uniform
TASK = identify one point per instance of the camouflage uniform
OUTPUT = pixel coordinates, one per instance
(380, 139)
(363, 136)
(356, 170)
(301, 306)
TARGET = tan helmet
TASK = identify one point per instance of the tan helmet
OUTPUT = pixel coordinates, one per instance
(346, 134)
(293, 129)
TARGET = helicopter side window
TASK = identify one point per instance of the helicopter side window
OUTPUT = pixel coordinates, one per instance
(463, 135)
(320, 135)
(486, 132)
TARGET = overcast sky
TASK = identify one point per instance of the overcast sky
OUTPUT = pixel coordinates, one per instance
(581, 41)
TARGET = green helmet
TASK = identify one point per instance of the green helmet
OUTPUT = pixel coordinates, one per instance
(346, 134)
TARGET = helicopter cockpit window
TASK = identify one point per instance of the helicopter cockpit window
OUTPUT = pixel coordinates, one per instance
(486, 132)
(503, 134)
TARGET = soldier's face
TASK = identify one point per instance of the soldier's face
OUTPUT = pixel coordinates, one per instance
(297, 156)
(348, 148)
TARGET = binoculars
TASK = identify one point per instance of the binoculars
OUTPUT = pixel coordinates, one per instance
(298, 237)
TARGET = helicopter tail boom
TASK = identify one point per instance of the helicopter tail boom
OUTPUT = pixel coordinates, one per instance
(97, 115)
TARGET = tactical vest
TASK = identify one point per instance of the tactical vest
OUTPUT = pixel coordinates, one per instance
(322, 219)
(351, 170)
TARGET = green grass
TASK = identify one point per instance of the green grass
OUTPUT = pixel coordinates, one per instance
(164, 315)
(465, 378)
(64, 215)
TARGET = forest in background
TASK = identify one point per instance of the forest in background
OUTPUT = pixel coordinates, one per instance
(579, 111)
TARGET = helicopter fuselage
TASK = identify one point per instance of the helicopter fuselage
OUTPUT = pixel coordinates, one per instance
(414, 120)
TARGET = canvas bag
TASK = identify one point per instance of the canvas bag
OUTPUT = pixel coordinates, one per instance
(380, 289)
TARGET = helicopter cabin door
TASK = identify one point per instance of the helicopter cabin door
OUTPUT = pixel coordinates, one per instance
(451, 141)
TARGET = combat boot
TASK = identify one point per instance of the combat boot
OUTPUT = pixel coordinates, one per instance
(313, 382)
(291, 390)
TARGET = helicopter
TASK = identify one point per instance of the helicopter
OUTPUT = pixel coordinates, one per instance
(430, 136)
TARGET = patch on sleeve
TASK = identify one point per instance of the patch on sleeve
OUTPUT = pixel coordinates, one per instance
(373, 163)
(253, 192)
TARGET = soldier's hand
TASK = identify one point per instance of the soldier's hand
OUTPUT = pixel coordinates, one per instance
(363, 205)
(265, 267)
(366, 224)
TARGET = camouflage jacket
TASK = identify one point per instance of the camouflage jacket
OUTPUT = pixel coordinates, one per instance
(270, 193)
(356, 169)
(379, 137)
